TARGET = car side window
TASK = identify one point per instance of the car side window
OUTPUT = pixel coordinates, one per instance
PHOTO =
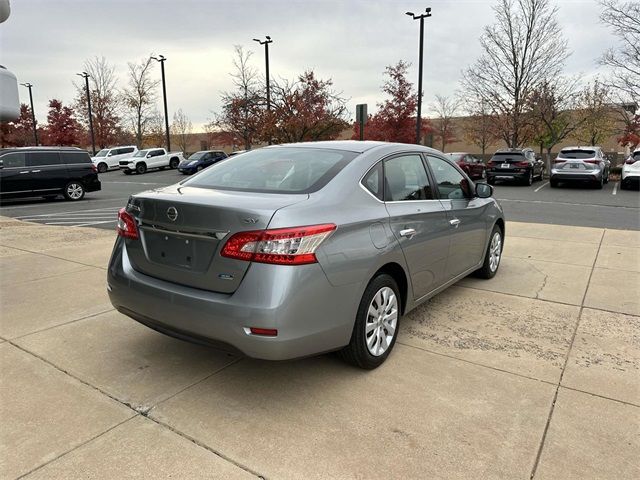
(156, 153)
(372, 181)
(13, 160)
(39, 159)
(406, 179)
(75, 157)
(126, 150)
(451, 183)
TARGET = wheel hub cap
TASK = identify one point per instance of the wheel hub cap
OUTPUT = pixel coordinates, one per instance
(382, 320)
(495, 250)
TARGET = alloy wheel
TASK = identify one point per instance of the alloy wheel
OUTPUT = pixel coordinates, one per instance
(74, 191)
(495, 251)
(382, 320)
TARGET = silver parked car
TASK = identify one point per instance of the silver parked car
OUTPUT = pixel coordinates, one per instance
(295, 250)
(580, 164)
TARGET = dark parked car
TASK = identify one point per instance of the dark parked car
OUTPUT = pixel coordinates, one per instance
(200, 160)
(518, 164)
(472, 166)
(47, 172)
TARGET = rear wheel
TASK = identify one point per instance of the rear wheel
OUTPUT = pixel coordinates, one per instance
(73, 191)
(492, 256)
(141, 168)
(529, 179)
(600, 183)
(102, 167)
(173, 163)
(553, 183)
(376, 326)
(199, 168)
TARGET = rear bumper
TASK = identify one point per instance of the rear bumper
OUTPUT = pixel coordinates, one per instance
(311, 315)
(93, 184)
(576, 177)
(502, 175)
(187, 170)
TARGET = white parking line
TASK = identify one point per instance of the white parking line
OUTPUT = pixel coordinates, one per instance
(138, 183)
(541, 186)
(76, 224)
(615, 189)
(108, 209)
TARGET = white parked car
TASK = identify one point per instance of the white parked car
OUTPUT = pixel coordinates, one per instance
(143, 160)
(631, 170)
(109, 158)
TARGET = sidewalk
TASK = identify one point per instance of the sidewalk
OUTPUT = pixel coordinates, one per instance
(536, 371)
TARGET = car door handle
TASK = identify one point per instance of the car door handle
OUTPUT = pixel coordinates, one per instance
(35, 171)
(26, 171)
(408, 232)
(454, 223)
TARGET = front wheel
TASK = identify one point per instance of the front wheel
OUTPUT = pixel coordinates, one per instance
(376, 326)
(102, 167)
(173, 163)
(492, 256)
(74, 191)
(141, 168)
(529, 180)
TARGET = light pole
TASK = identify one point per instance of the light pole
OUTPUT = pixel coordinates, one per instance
(266, 59)
(33, 113)
(421, 17)
(161, 59)
(86, 76)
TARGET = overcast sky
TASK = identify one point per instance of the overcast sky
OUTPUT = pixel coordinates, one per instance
(351, 42)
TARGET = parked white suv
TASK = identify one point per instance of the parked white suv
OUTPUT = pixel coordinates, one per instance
(109, 158)
(143, 160)
(631, 170)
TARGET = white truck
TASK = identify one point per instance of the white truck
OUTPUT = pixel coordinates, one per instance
(109, 158)
(143, 160)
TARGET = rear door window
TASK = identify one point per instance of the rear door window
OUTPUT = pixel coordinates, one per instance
(13, 160)
(125, 150)
(406, 179)
(75, 157)
(41, 159)
(372, 181)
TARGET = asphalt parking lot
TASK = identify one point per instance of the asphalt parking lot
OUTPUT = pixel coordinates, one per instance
(533, 374)
(572, 205)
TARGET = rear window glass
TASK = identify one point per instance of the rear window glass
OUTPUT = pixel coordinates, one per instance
(503, 156)
(456, 157)
(275, 170)
(577, 154)
(75, 157)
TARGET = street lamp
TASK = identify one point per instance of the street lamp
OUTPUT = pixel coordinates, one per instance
(161, 59)
(266, 58)
(421, 17)
(33, 113)
(86, 76)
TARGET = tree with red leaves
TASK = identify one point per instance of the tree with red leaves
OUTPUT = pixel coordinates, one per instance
(631, 134)
(305, 110)
(18, 133)
(395, 120)
(62, 128)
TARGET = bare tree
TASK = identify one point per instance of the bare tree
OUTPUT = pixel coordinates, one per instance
(139, 97)
(242, 108)
(624, 19)
(155, 130)
(552, 108)
(181, 128)
(105, 101)
(522, 50)
(446, 109)
(596, 114)
(480, 127)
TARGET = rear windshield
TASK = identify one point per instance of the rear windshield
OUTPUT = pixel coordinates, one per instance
(197, 155)
(636, 155)
(275, 170)
(500, 156)
(577, 154)
(456, 157)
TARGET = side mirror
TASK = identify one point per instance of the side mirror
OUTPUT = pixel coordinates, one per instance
(483, 190)
(110, 154)
(148, 155)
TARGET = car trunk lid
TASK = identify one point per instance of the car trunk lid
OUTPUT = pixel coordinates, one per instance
(182, 230)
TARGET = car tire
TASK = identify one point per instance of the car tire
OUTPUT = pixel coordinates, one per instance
(173, 163)
(102, 167)
(381, 295)
(553, 183)
(73, 191)
(141, 168)
(493, 255)
(623, 185)
(126, 172)
(491, 181)
(198, 168)
(529, 180)
(600, 183)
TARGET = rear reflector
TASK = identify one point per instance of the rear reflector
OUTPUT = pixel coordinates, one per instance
(126, 226)
(281, 246)
(267, 332)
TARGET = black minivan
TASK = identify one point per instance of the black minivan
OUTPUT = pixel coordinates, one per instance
(47, 172)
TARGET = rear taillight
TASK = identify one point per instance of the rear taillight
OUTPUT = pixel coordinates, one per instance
(94, 168)
(126, 225)
(522, 164)
(592, 161)
(281, 246)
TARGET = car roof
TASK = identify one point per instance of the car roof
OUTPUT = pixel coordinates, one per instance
(41, 149)
(513, 150)
(582, 148)
(356, 146)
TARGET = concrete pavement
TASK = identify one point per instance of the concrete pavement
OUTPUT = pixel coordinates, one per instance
(536, 372)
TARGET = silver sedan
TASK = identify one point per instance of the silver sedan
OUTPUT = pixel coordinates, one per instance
(295, 250)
